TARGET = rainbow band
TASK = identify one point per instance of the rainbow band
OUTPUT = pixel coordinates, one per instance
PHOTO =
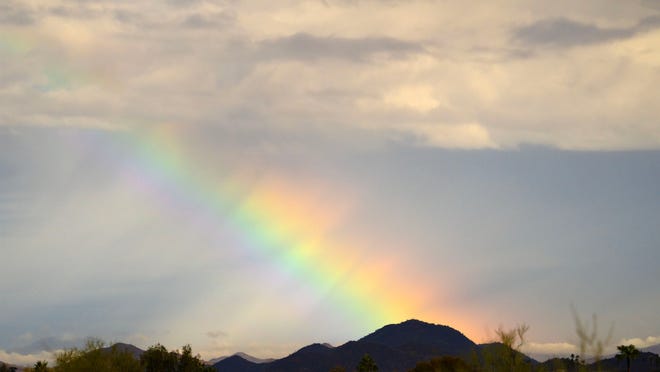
(289, 240)
(157, 162)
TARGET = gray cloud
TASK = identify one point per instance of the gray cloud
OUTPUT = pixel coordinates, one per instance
(653, 4)
(216, 334)
(49, 344)
(79, 12)
(563, 32)
(308, 47)
(204, 21)
(15, 14)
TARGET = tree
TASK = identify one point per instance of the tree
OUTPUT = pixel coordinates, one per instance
(513, 340)
(367, 364)
(442, 364)
(628, 353)
(191, 363)
(158, 359)
(94, 357)
(41, 366)
(588, 335)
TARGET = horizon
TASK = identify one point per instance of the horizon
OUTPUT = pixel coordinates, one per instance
(204, 171)
(528, 349)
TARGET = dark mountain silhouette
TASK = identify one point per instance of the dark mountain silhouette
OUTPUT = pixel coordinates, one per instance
(655, 349)
(9, 366)
(422, 339)
(347, 355)
(236, 363)
(396, 347)
(245, 356)
(135, 351)
(644, 362)
(559, 364)
(498, 348)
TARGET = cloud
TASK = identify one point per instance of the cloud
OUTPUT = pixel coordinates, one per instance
(463, 136)
(641, 342)
(49, 344)
(564, 32)
(216, 334)
(26, 359)
(307, 47)
(235, 67)
(550, 348)
(653, 4)
(15, 13)
(204, 21)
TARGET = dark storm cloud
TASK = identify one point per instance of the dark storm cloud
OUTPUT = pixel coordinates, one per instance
(303, 46)
(563, 32)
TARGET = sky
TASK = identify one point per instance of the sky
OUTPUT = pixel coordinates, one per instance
(257, 176)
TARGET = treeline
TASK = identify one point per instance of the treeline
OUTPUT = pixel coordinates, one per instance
(96, 357)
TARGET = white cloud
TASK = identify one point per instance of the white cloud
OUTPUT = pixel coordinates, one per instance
(27, 359)
(560, 349)
(641, 342)
(597, 97)
(419, 98)
(465, 136)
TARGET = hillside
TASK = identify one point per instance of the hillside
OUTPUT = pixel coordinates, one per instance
(394, 347)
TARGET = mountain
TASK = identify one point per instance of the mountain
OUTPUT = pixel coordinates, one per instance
(395, 347)
(236, 363)
(6, 364)
(644, 362)
(498, 348)
(422, 339)
(655, 349)
(135, 351)
(245, 356)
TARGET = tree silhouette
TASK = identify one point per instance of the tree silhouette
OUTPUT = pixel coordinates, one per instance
(512, 340)
(41, 366)
(628, 353)
(444, 364)
(191, 363)
(94, 357)
(367, 364)
(158, 359)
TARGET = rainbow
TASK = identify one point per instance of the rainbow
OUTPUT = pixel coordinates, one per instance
(278, 225)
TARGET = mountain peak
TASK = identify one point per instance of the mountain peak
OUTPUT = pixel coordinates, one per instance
(395, 347)
(413, 332)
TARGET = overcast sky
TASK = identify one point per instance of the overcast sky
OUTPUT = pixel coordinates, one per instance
(257, 176)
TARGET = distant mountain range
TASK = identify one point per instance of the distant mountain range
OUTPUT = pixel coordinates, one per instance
(242, 355)
(655, 349)
(395, 347)
(399, 347)
(135, 351)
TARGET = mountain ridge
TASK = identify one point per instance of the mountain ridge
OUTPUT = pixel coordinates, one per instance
(394, 347)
